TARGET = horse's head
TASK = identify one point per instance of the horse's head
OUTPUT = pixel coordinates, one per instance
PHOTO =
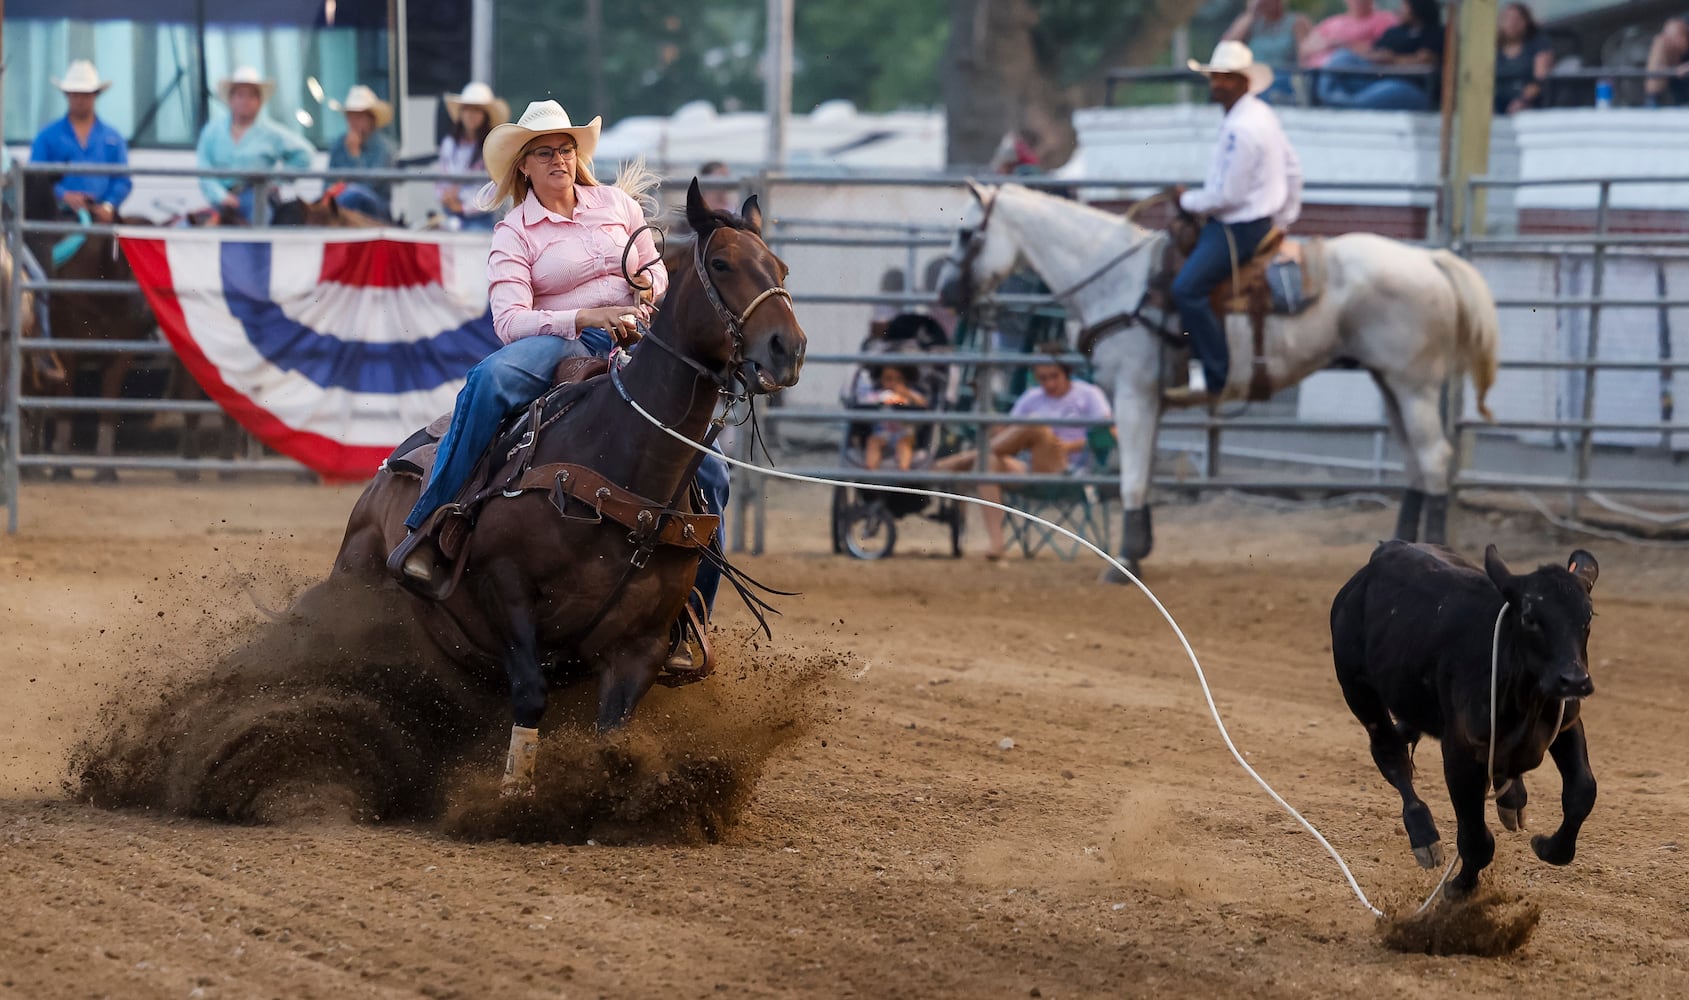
(737, 281)
(980, 257)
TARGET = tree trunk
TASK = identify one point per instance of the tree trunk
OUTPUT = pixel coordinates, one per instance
(994, 82)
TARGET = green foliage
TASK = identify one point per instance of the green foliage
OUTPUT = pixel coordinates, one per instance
(879, 54)
(657, 54)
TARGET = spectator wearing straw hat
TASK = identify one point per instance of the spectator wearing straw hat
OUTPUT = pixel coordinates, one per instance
(365, 147)
(245, 140)
(80, 137)
(474, 113)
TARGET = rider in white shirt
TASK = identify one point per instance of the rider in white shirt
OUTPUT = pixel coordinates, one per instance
(1254, 183)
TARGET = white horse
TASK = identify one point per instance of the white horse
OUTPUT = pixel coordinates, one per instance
(1411, 317)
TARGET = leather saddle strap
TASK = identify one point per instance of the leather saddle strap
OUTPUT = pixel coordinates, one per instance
(645, 518)
(1260, 303)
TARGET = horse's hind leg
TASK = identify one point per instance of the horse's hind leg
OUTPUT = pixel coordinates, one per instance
(1422, 429)
(1413, 501)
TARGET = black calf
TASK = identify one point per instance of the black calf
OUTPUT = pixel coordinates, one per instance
(1411, 636)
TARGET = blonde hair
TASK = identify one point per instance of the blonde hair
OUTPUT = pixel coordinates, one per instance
(634, 178)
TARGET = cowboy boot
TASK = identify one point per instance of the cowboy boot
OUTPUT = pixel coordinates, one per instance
(413, 559)
(519, 762)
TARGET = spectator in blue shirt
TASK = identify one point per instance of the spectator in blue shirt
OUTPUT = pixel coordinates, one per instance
(1416, 41)
(245, 140)
(365, 147)
(80, 137)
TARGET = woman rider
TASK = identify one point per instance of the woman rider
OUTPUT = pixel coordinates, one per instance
(557, 291)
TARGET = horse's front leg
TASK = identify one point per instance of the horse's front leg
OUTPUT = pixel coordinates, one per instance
(625, 672)
(528, 693)
(1137, 414)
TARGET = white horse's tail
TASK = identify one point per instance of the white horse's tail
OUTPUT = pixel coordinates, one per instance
(1478, 328)
(640, 182)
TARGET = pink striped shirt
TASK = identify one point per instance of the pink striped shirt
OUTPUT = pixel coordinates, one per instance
(544, 268)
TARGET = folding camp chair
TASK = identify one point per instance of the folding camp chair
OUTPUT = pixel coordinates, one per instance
(1079, 508)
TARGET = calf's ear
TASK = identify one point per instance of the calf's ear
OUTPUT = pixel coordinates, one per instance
(1498, 572)
(1583, 566)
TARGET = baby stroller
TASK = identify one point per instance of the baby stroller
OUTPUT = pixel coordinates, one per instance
(865, 521)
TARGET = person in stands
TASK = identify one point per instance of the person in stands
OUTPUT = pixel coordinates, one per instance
(1523, 59)
(1669, 53)
(1040, 448)
(81, 137)
(245, 140)
(365, 147)
(1354, 30)
(1416, 42)
(474, 114)
(1275, 35)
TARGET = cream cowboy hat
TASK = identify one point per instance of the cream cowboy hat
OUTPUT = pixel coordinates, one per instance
(1235, 57)
(248, 76)
(82, 78)
(505, 142)
(479, 95)
(361, 98)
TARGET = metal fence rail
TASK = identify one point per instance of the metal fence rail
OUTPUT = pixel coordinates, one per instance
(1275, 448)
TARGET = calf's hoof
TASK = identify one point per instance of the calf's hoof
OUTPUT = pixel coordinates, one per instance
(1429, 856)
(1512, 819)
(1551, 852)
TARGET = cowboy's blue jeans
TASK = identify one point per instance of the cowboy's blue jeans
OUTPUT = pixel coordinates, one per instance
(502, 384)
(1375, 93)
(362, 198)
(1209, 264)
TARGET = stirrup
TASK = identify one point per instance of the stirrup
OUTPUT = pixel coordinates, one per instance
(416, 563)
(1182, 397)
(681, 666)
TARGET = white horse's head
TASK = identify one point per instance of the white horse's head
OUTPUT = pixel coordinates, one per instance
(980, 256)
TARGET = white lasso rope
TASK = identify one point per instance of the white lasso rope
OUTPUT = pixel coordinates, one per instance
(1201, 678)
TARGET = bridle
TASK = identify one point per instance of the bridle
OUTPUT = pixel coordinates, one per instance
(733, 322)
(973, 243)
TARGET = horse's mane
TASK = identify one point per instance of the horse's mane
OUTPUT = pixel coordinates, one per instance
(640, 183)
(1101, 215)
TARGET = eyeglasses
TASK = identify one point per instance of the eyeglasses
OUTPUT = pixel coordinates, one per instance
(544, 154)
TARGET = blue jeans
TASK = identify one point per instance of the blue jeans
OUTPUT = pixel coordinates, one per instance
(1386, 93)
(362, 198)
(1209, 264)
(502, 384)
(478, 222)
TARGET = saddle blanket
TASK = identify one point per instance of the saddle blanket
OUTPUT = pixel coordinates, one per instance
(330, 347)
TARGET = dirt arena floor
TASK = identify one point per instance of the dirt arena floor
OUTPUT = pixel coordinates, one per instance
(890, 845)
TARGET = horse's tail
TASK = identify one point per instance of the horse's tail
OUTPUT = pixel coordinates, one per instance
(1478, 328)
(640, 182)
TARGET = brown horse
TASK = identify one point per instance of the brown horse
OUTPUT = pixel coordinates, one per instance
(87, 316)
(542, 590)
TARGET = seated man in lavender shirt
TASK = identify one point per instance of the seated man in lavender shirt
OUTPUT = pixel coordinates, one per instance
(1047, 448)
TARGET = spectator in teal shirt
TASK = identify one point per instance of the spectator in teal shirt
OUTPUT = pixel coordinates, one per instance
(245, 141)
(365, 147)
(80, 137)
